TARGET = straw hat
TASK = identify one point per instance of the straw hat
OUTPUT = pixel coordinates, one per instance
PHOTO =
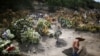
(80, 38)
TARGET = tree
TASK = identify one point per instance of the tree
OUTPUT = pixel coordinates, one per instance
(74, 4)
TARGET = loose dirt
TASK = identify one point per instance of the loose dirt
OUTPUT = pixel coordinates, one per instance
(47, 46)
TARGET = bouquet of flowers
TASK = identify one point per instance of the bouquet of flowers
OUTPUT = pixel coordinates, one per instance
(43, 26)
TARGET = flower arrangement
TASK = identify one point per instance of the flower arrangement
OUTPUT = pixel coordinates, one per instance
(43, 26)
(23, 29)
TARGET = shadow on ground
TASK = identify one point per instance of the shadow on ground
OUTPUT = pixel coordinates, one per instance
(34, 48)
(68, 52)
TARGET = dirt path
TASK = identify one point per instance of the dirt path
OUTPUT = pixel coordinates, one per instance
(49, 48)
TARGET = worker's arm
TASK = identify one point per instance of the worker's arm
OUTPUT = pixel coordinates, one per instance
(80, 49)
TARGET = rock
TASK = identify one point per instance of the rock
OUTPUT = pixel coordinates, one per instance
(57, 34)
(34, 51)
(60, 43)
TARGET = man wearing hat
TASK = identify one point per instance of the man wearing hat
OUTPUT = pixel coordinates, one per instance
(76, 46)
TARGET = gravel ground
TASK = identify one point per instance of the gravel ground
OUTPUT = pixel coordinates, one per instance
(47, 46)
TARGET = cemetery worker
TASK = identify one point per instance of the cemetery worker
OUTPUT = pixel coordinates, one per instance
(76, 46)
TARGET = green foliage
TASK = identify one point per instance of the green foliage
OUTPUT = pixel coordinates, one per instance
(4, 43)
(15, 4)
(74, 4)
(65, 22)
(54, 2)
(30, 35)
(42, 26)
(88, 27)
(24, 31)
(20, 26)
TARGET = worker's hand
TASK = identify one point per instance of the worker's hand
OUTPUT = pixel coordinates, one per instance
(80, 49)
